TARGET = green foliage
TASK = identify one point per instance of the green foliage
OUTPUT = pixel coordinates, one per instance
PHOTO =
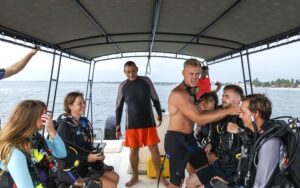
(293, 83)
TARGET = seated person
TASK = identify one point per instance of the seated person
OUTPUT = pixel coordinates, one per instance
(81, 161)
(256, 111)
(227, 145)
(17, 149)
(208, 101)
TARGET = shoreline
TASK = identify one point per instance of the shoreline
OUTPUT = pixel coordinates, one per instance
(156, 83)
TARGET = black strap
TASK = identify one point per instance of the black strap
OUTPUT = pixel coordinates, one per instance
(161, 169)
(193, 92)
(34, 173)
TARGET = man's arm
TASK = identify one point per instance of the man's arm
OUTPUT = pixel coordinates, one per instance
(155, 98)
(119, 110)
(19, 65)
(219, 85)
(119, 104)
(188, 109)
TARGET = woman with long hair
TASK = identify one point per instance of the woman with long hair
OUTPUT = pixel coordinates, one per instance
(76, 131)
(16, 146)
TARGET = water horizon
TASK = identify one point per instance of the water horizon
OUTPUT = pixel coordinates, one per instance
(285, 100)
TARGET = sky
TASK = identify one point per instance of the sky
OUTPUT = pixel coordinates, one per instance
(280, 62)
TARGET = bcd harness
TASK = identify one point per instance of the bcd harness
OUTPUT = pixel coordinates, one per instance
(39, 162)
(80, 133)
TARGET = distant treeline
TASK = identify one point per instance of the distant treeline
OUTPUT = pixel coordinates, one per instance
(155, 83)
(292, 83)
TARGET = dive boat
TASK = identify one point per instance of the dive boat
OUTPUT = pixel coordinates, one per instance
(95, 31)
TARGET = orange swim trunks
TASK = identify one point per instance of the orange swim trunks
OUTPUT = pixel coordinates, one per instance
(141, 137)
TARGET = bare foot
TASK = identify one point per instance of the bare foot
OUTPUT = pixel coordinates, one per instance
(164, 181)
(132, 181)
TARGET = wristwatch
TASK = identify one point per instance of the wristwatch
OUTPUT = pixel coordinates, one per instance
(118, 128)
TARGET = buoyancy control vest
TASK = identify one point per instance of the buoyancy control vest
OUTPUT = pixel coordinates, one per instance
(287, 170)
(41, 165)
(228, 145)
(79, 144)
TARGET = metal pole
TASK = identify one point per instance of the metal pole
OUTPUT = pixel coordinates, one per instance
(249, 72)
(243, 70)
(57, 78)
(50, 81)
(89, 75)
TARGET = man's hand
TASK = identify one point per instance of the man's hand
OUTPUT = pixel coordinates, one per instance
(208, 148)
(118, 131)
(232, 128)
(233, 110)
(34, 50)
(159, 119)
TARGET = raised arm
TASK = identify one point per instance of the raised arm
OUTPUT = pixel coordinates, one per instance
(19, 65)
(219, 85)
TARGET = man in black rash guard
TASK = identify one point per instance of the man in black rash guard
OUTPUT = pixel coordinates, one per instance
(137, 92)
(183, 114)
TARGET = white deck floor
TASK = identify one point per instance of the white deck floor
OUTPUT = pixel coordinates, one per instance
(118, 156)
(120, 161)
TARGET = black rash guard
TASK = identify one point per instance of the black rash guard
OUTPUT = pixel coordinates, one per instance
(2, 73)
(137, 95)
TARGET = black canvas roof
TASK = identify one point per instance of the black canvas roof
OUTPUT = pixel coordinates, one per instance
(209, 29)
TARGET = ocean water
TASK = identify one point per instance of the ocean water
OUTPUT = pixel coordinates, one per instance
(285, 101)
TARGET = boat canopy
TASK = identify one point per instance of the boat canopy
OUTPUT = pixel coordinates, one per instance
(208, 29)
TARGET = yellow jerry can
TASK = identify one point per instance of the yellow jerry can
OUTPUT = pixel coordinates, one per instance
(151, 170)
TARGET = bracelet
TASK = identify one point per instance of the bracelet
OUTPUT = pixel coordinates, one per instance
(118, 128)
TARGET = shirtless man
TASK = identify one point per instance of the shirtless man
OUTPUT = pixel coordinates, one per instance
(180, 143)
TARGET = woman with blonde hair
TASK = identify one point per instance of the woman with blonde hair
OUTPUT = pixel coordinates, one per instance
(76, 131)
(16, 144)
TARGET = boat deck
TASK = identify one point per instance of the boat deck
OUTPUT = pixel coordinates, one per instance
(118, 156)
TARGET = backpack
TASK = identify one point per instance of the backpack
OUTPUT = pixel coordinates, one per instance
(288, 133)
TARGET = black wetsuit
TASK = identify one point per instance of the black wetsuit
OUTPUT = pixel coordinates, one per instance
(227, 147)
(2, 72)
(78, 136)
(137, 95)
